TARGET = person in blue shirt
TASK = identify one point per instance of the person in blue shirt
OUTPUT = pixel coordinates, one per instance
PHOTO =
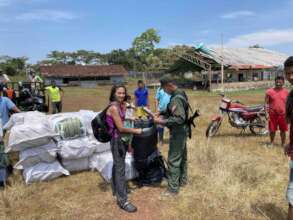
(162, 100)
(141, 95)
(6, 105)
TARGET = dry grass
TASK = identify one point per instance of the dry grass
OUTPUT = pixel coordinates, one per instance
(231, 177)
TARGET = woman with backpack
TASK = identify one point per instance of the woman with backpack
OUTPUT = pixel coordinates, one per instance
(115, 116)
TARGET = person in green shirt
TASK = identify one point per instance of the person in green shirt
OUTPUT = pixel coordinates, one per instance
(55, 93)
(175, 118)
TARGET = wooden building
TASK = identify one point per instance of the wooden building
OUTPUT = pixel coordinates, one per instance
(84, 75)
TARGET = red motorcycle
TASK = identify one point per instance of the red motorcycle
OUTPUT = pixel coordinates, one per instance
(240, 116)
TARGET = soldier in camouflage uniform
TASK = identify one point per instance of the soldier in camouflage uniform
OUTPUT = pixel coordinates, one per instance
(175, 119)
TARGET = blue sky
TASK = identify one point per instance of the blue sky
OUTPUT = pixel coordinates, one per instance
(33, 28)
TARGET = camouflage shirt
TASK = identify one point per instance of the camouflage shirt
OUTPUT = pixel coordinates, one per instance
(177, 110)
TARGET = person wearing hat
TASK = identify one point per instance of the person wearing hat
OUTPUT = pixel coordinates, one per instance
(175, 118)
(6, 105)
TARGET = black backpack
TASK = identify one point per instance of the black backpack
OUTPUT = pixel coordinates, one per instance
(100, 127)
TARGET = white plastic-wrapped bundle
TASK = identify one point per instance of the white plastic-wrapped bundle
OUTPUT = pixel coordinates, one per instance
(43, 172)
(24, 117)
(30, 135)
(76, 165)
(68, 125)
(87, 117)
(32, 156)
(103, 162)
(98, 146)
(76, 148)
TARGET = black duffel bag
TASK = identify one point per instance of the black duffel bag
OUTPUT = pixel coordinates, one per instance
(151, 170)
(147, 159)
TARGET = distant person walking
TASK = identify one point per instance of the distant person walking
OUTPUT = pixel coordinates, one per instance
(115, 118)
(55, 93)
(141, 95)
(275, 105)
(288, 65)
(162, 100)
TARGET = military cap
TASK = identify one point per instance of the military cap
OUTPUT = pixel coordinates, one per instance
(167, 79)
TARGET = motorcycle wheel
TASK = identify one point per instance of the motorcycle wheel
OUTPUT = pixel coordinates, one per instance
(213, 128)
(259, 130)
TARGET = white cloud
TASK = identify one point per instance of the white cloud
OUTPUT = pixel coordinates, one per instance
(237, 14)
(263, 38)
(46, 15)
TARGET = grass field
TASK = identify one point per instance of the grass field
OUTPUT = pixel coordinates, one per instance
(231, 176)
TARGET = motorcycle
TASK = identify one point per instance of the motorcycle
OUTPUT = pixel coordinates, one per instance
(239, 116)
(27, 101)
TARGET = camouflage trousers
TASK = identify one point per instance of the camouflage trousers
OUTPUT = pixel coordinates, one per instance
(177, 161)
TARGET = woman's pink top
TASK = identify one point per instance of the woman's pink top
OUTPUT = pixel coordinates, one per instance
(113, 131)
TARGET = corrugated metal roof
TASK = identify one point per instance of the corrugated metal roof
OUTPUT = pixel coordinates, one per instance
(62, 70)
(248, 57)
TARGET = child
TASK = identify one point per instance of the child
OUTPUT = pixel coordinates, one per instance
(128, 122)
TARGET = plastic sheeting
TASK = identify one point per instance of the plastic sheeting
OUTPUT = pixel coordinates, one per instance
(24, 117)
(32, 156)
(29, 135)
(76, 165)
(76, 148)
(68, 125)
(98, 146)
(43, 172)
(103, 163)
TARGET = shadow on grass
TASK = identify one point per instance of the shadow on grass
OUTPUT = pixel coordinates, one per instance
(104, 186)
(269, 211)
(237, 135)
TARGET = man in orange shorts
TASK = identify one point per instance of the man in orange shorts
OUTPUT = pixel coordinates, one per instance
(275, 106)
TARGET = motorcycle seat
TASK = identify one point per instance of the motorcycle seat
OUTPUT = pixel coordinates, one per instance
(256, 108)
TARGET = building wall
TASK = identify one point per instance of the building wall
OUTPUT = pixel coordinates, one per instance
(59, 81)
(117, 79)
(88, 82)
(249, 75)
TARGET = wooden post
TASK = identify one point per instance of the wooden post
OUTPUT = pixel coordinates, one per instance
(210, 78)
(222, 64)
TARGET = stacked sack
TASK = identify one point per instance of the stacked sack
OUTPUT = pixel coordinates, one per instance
(31, 135)
(76, 143)
(50, 146)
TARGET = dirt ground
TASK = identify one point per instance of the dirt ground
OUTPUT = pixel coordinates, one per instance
(231, 176)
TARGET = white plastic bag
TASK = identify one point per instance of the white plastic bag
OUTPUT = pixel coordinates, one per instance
(103, 162)
(24, 117)
(68, 125)
(76, 148)
(76, 165)
(87, 116)
(32, 156)
(30, 135)
(43, 172)
(98, 146)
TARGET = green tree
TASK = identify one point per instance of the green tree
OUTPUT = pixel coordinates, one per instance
(13, 65)
(144, 46)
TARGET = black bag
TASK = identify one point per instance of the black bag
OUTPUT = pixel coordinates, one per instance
(100, 127)
(151, 170)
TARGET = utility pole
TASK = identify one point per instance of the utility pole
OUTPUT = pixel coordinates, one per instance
(222, 63)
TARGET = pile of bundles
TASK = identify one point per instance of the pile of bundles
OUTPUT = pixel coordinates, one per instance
(50, 146)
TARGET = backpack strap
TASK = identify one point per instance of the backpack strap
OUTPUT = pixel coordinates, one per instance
(185, 100)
